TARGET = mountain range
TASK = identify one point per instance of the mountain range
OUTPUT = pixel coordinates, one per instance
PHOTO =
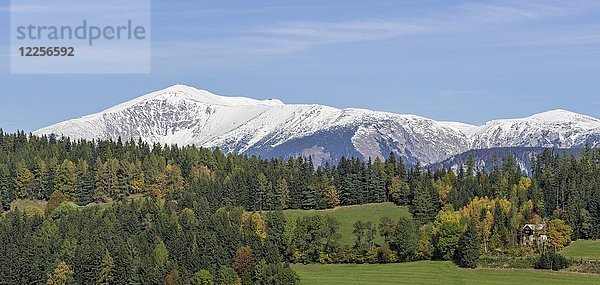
(184, 115)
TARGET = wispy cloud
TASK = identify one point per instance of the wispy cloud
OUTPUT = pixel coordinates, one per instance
(352, 31)
(472, 19)
(293, 37)
(522, 10)
(553, 39)
(221, 12)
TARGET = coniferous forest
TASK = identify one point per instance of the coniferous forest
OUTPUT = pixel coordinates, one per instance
(134, 213)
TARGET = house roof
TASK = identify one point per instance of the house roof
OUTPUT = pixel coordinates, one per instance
(534, 227)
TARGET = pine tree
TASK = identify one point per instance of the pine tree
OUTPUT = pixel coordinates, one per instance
(262, 189)
(39, 177)
(422, 207)
(106, 275)
(281, 194)
(5, 198)
(467, 249)
(85, 183)
(309, 197)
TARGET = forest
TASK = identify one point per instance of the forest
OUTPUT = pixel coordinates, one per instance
(133, 213)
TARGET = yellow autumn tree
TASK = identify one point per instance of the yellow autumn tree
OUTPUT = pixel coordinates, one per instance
(559, 233)
(61, 275)
(173, 179)
(24, 179)
(260, 225)
(332, 196)
(445, 185)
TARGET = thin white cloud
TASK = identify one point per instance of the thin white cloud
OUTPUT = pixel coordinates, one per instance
(522, 10)
(292, 37)
(220, 12)
(353, 31)
(473, 19)
(297, 36)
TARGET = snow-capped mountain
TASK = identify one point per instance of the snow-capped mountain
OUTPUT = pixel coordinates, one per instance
(184, 115)
(555, 129)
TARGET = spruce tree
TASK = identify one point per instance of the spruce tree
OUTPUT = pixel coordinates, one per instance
(467, 249)
(423, 208)
(106, 270)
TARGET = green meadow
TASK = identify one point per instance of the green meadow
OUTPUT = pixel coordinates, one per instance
(348, 215)
(583, 249)
(431, 272)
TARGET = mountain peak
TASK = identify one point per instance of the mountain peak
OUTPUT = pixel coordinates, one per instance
(561, 115)
(184, 115)
(180, 92)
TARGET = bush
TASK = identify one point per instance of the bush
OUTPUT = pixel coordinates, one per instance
(551, 260)
(382, 254)
(277, 274)
(507, 262)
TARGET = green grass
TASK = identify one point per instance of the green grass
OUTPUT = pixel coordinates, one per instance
(348, 215)
(431, 272)
(586, 249)
(27, 205)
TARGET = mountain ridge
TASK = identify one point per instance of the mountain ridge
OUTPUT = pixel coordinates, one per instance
(185, 115)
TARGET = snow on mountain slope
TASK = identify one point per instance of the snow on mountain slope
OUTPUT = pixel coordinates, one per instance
(557, 128)
(184, 115)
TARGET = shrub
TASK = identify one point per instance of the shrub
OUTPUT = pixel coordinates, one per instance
(551, 260)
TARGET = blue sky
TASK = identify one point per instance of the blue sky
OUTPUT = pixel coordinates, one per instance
(468, 61)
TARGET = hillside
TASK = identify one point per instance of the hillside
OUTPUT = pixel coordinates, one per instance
(348, 215)
(583, 249)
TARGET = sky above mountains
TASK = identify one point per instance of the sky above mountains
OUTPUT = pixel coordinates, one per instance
(468, 61)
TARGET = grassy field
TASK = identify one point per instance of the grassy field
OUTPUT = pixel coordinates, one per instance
(586, 249)
(348, 215)
(28, 205)
(431, 272)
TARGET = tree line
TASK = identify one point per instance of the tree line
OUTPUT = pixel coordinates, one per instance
(561, 186)
(188, 213)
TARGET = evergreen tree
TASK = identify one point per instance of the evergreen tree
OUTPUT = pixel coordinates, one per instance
(5, 188)
(404, 239)
(106, 276)
(467, 249)
(423, 208)
(85, 183)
